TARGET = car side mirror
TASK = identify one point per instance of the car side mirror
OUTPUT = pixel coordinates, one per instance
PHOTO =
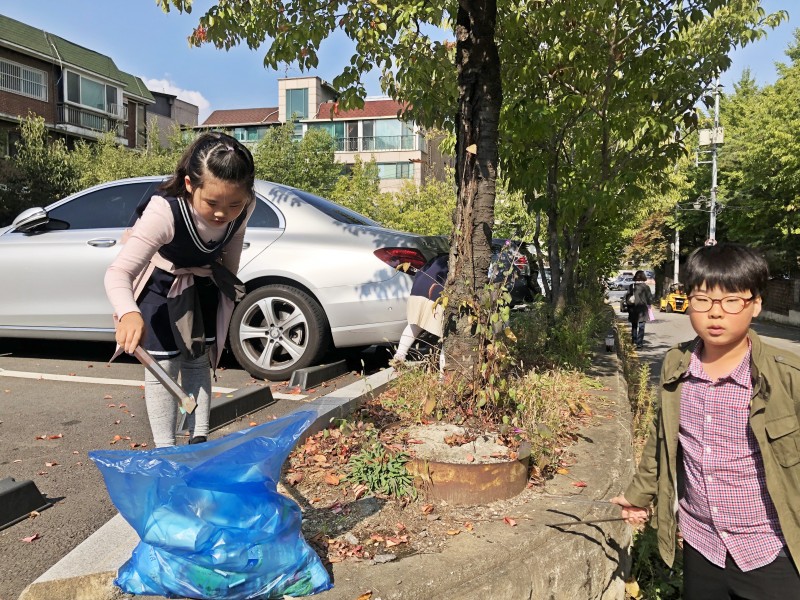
(29, 220)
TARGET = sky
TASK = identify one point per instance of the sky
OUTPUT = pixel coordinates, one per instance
(144, 41)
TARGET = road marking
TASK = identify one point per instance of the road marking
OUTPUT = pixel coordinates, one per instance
(125, 382)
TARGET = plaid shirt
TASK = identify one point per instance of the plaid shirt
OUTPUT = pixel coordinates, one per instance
(724, 505)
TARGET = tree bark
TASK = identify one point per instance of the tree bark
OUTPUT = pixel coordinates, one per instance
(480, 97)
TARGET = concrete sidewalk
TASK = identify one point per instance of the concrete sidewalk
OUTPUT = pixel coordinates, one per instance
(530, 560)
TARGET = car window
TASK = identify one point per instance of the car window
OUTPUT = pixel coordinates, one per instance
(263, 216)
(106, 208)
(333, 210)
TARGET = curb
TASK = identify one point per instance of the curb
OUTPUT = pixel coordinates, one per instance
(88, 571)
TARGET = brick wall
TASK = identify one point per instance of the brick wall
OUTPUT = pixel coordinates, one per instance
(782, 295)
(17, 105)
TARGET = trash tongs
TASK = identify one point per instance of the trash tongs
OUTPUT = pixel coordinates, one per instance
(186, 402)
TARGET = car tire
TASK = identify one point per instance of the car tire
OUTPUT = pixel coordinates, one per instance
(276, 330)
(669, 308)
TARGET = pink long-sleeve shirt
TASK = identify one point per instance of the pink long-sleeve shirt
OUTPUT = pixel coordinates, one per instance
(155, 228)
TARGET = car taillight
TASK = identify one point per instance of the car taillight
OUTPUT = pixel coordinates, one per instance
(398, 256)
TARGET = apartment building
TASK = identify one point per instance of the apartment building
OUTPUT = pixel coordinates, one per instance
(170, 112)
(80, 93)
(399, 147)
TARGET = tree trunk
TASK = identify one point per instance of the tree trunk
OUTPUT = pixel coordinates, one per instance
(553, 246)
(480, 97)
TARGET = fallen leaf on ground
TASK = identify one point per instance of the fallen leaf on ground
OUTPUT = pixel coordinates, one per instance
(294, 478)
(359, 490)
(453, 532)
(33, 514)
(30, 538)
(253, 423)
(376, 537)
(117, 422)
(111, 406)
(50, 464)
(331, 479)
(108, 397)
(470, 458)
(123, 406)
(510, 521)
(41, 437)
(320, 458)
(57, 436)
(365, 596)
(468, 526)
(580, 484)
(427, 509)
(72, 374)
(562, 471)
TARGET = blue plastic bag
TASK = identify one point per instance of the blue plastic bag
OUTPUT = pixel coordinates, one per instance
(211, 522)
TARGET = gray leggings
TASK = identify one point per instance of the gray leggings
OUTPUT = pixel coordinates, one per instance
(162, 408)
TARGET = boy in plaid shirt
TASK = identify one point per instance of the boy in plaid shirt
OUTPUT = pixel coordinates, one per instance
(723, 457)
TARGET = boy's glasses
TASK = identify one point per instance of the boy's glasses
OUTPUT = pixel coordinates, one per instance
(732, 305)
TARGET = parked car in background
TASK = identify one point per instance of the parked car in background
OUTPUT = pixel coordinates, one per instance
(521, 280)
(623, 282)
(317, 274)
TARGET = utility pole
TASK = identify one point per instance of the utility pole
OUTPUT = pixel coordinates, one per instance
(712, 224)
(677, 255)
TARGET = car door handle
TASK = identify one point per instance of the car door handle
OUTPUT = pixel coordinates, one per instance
(245, 245)
(102, 242)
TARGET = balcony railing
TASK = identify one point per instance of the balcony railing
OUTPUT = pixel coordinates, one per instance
(87, 119)
(380, 143)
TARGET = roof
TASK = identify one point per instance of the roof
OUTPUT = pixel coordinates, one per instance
(242, 116)
(57, 50)
(372, 109)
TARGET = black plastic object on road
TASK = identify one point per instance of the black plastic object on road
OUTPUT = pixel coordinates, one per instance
(18, 499)
(311, 377)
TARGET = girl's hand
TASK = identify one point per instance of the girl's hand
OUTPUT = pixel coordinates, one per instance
(633, 515)
(130, 331)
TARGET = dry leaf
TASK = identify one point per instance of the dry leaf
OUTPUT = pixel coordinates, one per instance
(453, 532)
(510, 521)
(320, 458)
(30, 538)
(427, 509)
(468, 526)
(331, 479)
(470, 458)
(253, 423)
(580, 484)
(562, 471)
(632, 589)
(111, 406)
(123, 406)
(117, 422)
(359, 490)
(33, 514)
(364, 596)
(108, 397)
(58, 436)
(50, 464)
(294, 478)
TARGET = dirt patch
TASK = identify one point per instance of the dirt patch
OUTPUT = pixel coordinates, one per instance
(342, 520)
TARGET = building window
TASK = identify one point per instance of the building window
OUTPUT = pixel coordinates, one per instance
(387, 134)
(93, 94)
(23, 80)
(297, 104)
(399, 170)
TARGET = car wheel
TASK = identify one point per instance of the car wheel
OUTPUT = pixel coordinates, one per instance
(669, 308)
(276, 330)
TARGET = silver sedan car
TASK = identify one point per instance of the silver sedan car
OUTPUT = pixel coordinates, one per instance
(317, 274)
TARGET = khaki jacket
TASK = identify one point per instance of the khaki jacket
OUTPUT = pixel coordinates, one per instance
(774, 414)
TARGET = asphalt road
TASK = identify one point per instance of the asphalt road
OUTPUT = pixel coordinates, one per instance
(69, 390)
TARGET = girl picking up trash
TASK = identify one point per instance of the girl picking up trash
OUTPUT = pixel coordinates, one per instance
(173, 284)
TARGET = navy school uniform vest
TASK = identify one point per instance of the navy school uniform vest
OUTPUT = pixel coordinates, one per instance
(185, 250)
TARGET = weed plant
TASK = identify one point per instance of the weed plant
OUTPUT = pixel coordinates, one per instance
(651, 579)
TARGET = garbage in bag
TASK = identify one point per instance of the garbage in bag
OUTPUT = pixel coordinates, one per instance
(211, 522)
